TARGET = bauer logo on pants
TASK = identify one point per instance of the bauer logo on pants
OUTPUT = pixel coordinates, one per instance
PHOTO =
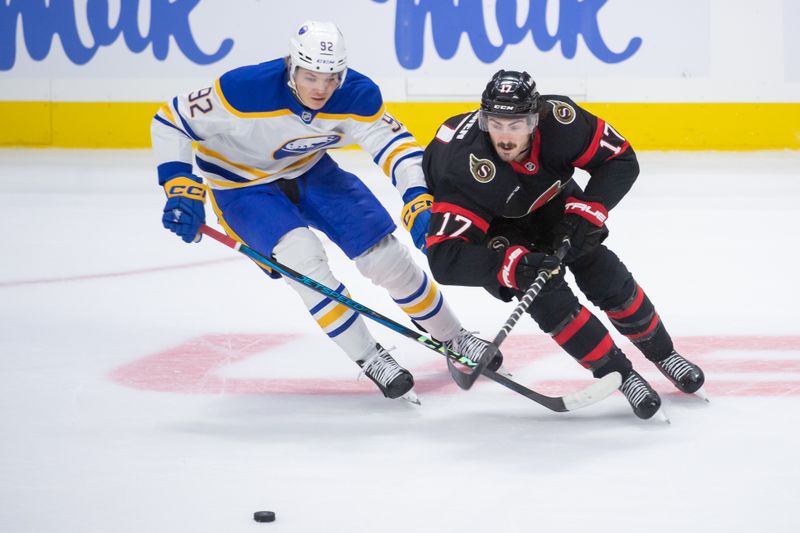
(481, 169)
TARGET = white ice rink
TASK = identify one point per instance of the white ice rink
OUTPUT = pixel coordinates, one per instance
(147, 385)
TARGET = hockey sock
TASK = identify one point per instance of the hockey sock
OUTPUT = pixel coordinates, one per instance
(638, 320)
(585, 338)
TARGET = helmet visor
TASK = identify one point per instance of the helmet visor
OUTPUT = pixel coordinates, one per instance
(501, 120)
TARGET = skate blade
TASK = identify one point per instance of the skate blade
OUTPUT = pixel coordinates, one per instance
(661, 416)
(411, 397)
(701, 393)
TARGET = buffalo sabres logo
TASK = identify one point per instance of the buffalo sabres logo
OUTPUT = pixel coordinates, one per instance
(562, 111)
(481, 169)
(304, 145)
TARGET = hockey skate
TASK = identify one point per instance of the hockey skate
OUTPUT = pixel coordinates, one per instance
(393, 380)
(472, 347)
(643, 399)
(684, 374)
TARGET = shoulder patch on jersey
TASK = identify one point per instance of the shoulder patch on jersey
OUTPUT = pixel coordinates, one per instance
(483, 170)
(445, 133)
(563, 112)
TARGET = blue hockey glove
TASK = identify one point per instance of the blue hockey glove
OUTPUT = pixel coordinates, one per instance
(184, 211)
(417, 215)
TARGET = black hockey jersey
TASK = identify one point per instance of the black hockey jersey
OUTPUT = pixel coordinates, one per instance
(474, 189)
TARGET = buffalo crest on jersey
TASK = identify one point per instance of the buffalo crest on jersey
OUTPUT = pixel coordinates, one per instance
(481, 169)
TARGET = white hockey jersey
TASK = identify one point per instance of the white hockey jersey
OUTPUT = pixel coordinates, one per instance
(250, 129)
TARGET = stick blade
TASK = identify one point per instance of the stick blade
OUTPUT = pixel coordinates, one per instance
(595, 392)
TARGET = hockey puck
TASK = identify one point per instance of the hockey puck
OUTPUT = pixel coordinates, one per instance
(264, 516)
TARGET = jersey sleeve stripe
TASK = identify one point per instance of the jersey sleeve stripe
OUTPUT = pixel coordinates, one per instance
(587, 156)
(622, 150)
(417, 153)
(445, 207)
(386, 147)
(186, 127)
(167, 123)
(436, 239)
(387, 164)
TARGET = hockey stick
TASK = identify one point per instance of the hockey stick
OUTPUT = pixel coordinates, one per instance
(595, 392)
(465, 380)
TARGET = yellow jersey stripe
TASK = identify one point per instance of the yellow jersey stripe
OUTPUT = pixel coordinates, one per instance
(233, 185)
(254, 171)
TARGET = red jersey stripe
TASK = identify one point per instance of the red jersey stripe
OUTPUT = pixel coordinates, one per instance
(436, 239)
(593, 146)
(445, 207)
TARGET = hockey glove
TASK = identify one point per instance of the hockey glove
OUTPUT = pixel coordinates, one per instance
(185, 211)
(417, 215)
(584, 222)
(520, 267)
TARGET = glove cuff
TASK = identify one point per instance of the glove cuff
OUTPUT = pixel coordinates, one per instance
(507, 276)
(595, 212)
(414, 207)
(186, 187)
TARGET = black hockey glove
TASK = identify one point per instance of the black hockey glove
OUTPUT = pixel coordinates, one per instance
(520, 267)
(584, 222)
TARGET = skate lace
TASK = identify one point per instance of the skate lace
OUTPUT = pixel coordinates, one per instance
(634, 389)
(676, 366)
(381, 367)
(467, 344)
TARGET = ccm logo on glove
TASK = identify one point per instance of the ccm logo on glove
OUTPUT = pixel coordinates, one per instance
(594, 212)
(186, 187)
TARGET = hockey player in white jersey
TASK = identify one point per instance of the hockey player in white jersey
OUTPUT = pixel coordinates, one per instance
(262, 134)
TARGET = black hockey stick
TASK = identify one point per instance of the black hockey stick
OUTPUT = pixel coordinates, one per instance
(591, 394)
(465, 380)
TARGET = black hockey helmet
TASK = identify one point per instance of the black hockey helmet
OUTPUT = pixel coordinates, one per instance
(510, 93)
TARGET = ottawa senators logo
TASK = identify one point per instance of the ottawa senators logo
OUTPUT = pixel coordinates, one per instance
(481, 169)
(562, 111)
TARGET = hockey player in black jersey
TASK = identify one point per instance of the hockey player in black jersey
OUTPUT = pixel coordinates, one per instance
(504, 199)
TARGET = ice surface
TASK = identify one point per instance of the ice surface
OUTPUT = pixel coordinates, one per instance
(149, 385)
